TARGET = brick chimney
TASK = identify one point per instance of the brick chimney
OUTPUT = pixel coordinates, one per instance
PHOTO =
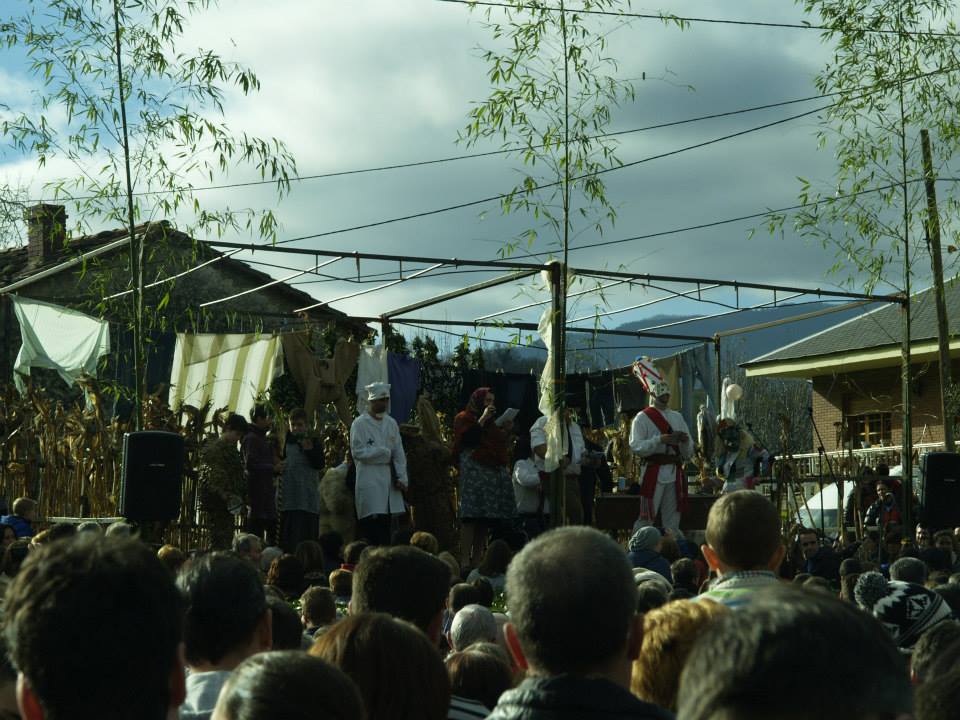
(46, 231)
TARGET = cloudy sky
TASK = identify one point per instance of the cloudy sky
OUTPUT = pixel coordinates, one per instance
(364, 83)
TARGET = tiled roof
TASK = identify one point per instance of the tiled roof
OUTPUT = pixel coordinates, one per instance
(15, 265)
(882, 326)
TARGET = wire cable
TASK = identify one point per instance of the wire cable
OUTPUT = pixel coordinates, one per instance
(545, 186)
(456, 158)
(713, 21)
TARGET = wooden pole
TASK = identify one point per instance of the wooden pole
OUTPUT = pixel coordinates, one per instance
(906, 442)
(136, 246)
(716, 351)
(558, 498)
(943, 322)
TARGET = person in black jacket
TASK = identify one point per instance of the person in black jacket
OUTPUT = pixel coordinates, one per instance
(577, 650)
(818, 559)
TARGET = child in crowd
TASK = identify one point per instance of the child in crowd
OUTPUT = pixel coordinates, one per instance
(24, 514)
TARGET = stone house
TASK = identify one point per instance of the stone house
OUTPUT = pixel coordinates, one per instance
(92, 274)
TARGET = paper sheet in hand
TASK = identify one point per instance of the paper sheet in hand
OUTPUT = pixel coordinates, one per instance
(508, 415)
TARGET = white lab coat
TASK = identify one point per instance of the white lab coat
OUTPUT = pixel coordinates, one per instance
(374, 444)
(645, 440)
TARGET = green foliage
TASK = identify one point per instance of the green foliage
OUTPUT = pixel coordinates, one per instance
(888, 55)
(477, 361)
(396, 342)
(174, 98)
(122, 93)
(461, 356)
(13, 201)
(541, 97)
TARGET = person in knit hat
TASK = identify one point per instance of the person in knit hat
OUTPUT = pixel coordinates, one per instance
(644, 551)
(906, 610)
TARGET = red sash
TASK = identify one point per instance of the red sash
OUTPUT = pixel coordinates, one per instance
(649, 484)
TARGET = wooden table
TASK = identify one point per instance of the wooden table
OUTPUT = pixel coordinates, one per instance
(619, 511)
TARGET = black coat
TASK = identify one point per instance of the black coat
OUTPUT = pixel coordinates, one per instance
(569, 697)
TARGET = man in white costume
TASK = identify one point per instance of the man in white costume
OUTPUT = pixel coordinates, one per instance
(381, 466)
(661, 439)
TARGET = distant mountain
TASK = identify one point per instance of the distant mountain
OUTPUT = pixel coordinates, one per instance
(586, 352)
(617, 350)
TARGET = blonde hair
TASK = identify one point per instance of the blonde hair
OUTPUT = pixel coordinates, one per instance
(669, 633)
(425, 541)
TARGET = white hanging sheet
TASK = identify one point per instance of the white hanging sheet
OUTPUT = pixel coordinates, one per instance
(57, 338)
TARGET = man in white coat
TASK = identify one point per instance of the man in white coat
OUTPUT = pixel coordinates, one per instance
(661, 439)
(381, 466)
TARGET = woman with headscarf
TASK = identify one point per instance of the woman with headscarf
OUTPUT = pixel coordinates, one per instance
(486, 490)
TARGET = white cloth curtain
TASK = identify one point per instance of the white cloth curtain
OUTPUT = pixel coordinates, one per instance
(228, 370)
(554, 428)
(57, 338)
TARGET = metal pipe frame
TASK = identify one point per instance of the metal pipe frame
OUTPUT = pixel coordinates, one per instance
(638, 277)
(533, 326)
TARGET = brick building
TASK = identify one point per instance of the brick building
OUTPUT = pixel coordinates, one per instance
(854, 368)
(91, 274)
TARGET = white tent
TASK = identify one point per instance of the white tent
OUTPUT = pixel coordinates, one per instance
(823, 507)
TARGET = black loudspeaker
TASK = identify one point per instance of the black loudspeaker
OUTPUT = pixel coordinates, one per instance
(151, 476)
(941, 490)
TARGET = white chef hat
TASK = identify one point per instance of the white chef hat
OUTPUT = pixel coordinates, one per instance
(377, 391)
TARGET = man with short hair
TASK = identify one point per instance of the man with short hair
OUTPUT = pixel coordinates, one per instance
(892, 547)
(944, 541)
(472, 623)
(819, 560)
(884, 511)
(249, 547)
(318, 609)
(851, 668)
(405, 582)
(578, 652)
(227, 621)
(850, 570)
(909, 569)
(341, 585)
(93, 627)
(377, 451)
(743, 546)
(661, 439)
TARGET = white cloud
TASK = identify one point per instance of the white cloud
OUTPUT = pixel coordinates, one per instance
(375, 82)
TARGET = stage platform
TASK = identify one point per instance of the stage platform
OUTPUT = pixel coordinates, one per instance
(617, 512)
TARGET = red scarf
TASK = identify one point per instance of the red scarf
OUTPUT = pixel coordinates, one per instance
(649, 484)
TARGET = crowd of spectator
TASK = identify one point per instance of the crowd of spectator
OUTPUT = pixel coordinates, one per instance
(751, 624)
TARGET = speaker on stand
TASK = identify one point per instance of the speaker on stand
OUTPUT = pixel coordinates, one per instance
(151, 480)
(940, 496)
